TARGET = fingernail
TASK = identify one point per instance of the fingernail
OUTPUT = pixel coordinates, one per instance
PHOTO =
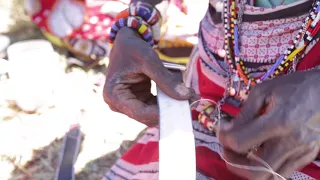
(182, 90)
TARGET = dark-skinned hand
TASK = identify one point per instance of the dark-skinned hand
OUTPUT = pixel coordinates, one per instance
(133, 64)
(284, 130)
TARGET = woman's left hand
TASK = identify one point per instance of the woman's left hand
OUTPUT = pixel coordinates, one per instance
(286, 130)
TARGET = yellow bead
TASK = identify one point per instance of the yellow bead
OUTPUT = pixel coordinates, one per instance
(142, 29)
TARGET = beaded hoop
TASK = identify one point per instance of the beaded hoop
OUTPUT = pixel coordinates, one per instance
(144, 10)
(135, 24)
(148, 15)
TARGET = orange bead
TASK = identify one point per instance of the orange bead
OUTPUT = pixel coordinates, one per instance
(122, 14)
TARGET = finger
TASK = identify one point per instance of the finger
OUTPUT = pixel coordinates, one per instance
(127, 103)
(246, 136)
(152, 100)
(141, 87)
(145, 114)
(263, 167)
(143, 96)
(113, 109)
(239, 164)
(276, 155)
(299, 161)
(251, 108)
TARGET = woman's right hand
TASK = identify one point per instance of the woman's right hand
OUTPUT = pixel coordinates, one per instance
(133, 64)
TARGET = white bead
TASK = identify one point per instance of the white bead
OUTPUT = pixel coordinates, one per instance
(222, 53)
(232, 92)
(219, 6)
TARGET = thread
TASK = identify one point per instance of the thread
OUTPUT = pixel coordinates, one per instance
(267, 167)
(317, 130)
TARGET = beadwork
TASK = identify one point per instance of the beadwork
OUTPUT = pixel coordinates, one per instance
(205, 117)
(150, 15)
(135, 24)
(308, 31)
(147, 15)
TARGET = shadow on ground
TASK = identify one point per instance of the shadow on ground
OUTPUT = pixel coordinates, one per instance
(44, 162)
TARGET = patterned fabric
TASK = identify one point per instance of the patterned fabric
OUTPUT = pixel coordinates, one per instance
(141, 162)
(262, 41)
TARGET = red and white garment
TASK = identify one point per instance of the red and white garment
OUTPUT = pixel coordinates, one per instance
(83, 26)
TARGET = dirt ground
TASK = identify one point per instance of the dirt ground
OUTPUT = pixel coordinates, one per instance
(30, 142)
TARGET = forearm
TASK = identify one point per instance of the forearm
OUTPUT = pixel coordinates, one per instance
(152, 2)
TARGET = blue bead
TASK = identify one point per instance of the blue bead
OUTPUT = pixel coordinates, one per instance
(148, 35)
(121, 22)
(151, 42)
(114, 27)
(112, 36)
(236, 41)
(144, 13)
(273, 68)
(318, 8)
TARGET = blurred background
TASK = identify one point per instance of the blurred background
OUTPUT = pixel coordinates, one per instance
(31, 140)
(48, 90)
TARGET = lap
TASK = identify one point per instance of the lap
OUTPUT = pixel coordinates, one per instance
(141, 161)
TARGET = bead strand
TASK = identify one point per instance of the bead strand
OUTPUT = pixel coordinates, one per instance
(309, 29)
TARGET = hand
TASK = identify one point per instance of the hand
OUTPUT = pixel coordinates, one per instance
(287, 142)
(133, 63)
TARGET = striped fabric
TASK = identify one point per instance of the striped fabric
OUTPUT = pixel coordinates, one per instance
(140, 163)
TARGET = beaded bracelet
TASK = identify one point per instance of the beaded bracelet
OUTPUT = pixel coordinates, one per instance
(135, 24)
(147, 16)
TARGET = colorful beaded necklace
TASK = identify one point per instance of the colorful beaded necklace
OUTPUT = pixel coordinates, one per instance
(232, 18)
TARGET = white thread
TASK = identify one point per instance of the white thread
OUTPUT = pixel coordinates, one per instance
(267, 167)
(313, 129)
(199, 100)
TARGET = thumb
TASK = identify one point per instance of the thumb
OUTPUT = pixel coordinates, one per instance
(225, 125)
(252, 107)
(170, 82)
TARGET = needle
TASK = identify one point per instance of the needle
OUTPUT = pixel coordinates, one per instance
(174, 66)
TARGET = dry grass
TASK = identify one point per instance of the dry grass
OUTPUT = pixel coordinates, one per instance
(30, 142)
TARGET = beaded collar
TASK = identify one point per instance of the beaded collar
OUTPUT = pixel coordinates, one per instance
(232, 18)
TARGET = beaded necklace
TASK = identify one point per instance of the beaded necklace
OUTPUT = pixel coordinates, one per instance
(232, 18)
